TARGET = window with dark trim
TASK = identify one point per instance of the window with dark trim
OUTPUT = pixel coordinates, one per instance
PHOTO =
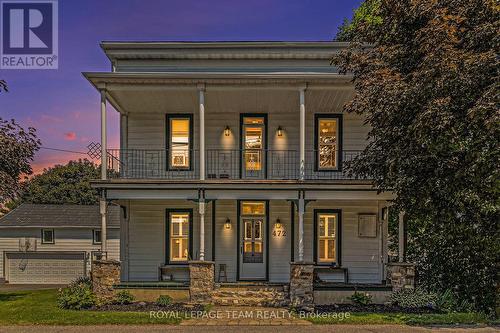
(179, 141)
(328, 142)
(179, 244)
(96, 236)
(48, 236)
(327, 236)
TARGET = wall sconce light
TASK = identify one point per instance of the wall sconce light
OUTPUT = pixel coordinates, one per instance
(227, 131)
(280, 131)
(278, 224)
(227, 225)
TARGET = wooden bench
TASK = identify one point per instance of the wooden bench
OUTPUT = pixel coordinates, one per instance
(164, 269)
(319, 268)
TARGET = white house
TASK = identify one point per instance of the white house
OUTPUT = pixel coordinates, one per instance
(234, 153)
(53, 244)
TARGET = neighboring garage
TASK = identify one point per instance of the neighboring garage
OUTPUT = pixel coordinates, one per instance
(44, 267)
(53, 244)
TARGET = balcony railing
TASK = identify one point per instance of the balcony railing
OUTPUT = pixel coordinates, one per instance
(224, 164)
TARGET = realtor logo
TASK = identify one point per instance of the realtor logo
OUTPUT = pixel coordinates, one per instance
(29, 34)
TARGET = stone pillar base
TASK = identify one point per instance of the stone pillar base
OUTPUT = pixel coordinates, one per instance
(105, 274)
(401, 275)
(201, 280)
(301, 285)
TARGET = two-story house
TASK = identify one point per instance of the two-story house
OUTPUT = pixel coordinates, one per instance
(235, 153)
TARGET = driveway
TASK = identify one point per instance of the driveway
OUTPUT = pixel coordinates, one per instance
(6, 287)
(245, 329)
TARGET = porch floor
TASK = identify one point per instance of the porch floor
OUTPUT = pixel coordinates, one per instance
(153, 285)
(351, 286)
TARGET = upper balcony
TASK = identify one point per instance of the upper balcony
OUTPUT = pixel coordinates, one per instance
(223, 165)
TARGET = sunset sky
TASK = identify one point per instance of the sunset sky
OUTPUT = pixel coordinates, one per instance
(64, 108)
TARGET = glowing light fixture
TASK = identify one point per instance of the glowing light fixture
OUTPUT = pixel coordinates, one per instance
(278, 224)
(227, 225)
(227, 131)
(280, 131)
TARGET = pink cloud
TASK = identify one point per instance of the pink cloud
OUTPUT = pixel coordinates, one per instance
(70, 136)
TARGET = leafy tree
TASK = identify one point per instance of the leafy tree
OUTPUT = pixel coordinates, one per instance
(63, 184)
(428, 86)
(18, 146)
(365, 15)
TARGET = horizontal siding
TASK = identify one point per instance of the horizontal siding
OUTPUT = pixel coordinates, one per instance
(361, 256)
(65, 240)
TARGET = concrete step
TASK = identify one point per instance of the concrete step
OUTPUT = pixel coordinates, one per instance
(253, 295)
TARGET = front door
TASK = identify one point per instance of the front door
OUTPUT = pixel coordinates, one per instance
(252, 241)
(253, 157)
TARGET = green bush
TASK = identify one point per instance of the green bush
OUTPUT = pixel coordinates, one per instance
(361, 298)
(413, 298)
(448, 302)
(123, 297)
(164, 300)
(78, 295)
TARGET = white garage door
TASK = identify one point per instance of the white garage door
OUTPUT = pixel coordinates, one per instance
(45, 267)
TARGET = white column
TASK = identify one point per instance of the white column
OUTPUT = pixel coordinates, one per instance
(202, 228)
(302, 153)
(401, 237)
(202, 131)
(102, 210)
(301, 228)
(104, 145)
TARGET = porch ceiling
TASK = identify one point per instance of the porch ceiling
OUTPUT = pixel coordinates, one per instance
(250, 92)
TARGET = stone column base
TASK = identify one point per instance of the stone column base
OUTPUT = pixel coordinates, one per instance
(201, 280)
(105, 274)
(301, 285)
(401, 275)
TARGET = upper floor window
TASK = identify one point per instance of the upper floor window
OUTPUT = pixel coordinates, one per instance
(328, 142)
(180, 137)
(48, 236)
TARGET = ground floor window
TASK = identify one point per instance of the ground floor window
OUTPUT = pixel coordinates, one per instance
(96, 236)
(327, 236)
(179, 224)
(48, 236)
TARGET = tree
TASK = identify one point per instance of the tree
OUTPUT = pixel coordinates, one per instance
(63, 184)
(428, 86)
(365, 15)
(18, 147)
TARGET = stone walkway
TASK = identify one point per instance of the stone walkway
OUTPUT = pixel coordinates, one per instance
(245, 316)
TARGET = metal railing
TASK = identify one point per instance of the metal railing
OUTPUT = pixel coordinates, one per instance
(252, 164)
(153, 164)
(226, 164)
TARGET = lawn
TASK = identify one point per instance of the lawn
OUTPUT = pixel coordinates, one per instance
(406, 319)
(39, 307)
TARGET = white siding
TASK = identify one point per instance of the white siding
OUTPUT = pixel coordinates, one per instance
(66, 239)
(361, 256)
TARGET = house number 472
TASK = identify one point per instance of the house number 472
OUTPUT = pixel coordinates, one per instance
(279, 233)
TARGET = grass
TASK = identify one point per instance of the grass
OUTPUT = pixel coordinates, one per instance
(406, 319)
(40, 307)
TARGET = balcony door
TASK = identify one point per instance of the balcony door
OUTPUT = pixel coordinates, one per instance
(253, 146)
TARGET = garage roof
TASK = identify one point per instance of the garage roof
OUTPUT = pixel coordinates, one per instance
(68, 216)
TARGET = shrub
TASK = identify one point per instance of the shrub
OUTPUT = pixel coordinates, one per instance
(78, 295)
(413, 298)
(123, 297)
(361, 298)
(164, 300)
(448, 302)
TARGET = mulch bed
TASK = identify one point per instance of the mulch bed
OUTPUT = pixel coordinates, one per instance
(149, 306)
(372, 308)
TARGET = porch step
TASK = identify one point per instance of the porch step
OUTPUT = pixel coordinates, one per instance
(250, 295)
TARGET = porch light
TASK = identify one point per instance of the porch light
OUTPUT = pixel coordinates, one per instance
(227, 225)
(280, 131)
(278, 224)
(227, 131)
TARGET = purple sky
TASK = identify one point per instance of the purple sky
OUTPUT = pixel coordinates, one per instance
(64, 108)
